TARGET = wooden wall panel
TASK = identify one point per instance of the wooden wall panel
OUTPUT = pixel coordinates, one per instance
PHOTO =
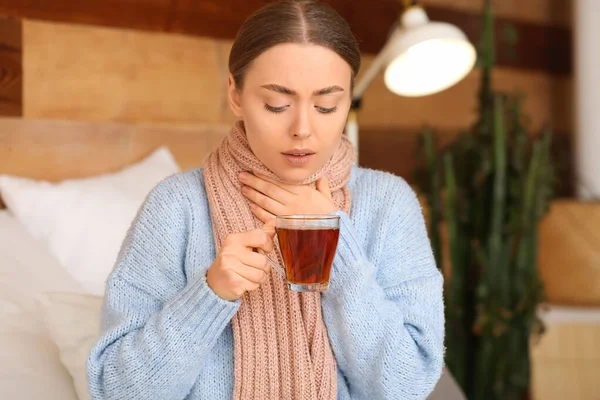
(139, 77)
(56, 150)
(549, 100)
(542, 47)
(11, 82)
(545, 12)
(91, 73)
(538, 48)
(98, 74)
(395, 150)
(139, 14)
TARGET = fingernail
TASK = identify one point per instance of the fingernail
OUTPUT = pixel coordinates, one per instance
(242, 175)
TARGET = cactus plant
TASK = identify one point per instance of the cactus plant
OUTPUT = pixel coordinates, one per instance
(488, 191)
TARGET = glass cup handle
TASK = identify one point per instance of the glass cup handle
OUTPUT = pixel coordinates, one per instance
(276, 267)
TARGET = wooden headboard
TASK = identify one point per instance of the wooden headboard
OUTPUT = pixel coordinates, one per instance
(57, 150)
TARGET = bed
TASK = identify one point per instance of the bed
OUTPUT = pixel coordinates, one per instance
(68, 192)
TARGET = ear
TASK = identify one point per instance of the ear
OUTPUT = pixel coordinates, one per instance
(234, 97)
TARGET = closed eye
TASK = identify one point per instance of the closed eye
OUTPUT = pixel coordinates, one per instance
(324, 110)
(276, 110)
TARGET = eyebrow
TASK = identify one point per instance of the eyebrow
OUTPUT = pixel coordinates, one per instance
(319, 92)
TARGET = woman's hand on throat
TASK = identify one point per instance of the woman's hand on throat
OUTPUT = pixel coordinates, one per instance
(269, 198)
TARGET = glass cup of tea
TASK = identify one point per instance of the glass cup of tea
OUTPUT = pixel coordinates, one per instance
(308, 244)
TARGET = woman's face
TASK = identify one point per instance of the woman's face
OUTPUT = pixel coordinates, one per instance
(294, 104)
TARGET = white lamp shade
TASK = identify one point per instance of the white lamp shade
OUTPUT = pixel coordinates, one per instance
(420, 58)
(426, 57)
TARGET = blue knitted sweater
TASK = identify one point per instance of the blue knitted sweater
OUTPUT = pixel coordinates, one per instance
(166, 335)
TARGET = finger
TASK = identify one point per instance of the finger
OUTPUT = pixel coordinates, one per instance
(323, 187)
(267, 186)
(254, 275)
(270, 226)
(267, 203)
(253, 259)
(261, 213)
(255, 238)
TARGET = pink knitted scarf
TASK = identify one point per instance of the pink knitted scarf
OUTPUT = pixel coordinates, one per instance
(281, 346)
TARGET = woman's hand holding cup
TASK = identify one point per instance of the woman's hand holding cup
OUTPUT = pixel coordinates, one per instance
(238, 268)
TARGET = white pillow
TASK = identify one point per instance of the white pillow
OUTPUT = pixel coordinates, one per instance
(83, 221)
(26, 269)
(30, 367)
(73, 321)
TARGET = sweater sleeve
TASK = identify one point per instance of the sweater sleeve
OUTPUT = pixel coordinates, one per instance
(157, 327)
(386, 321)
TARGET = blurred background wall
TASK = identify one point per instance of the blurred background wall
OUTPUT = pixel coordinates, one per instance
(165, 61)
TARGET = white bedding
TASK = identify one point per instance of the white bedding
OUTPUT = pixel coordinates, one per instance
(58, 244)
(30, 367)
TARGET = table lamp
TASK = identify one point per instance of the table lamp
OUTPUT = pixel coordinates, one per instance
(421, 57)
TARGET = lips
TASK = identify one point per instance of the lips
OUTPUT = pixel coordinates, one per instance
(298, 152)
(298, 157)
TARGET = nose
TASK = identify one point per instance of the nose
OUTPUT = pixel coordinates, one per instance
(301, 127)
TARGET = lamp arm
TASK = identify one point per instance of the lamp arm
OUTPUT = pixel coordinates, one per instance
(370, 73)
(352, 130)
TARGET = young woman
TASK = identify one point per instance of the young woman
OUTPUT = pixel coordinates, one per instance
(192, 311)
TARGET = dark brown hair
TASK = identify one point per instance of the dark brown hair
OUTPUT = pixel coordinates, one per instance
(292, 21)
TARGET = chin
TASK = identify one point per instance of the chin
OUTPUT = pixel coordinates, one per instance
(295, 176)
